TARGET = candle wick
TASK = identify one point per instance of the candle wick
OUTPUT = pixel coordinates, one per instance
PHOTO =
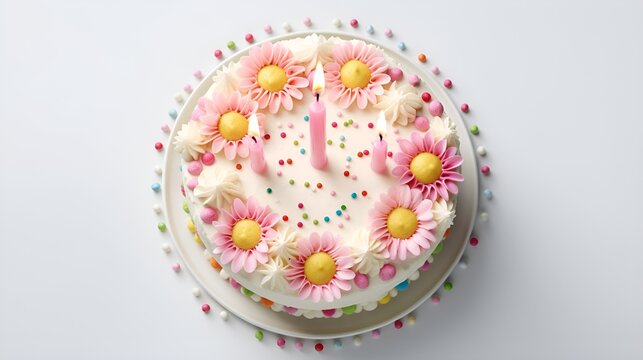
(255, 139)
(317, 96)
(381, 137)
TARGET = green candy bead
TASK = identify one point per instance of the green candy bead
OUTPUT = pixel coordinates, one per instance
(343, 207)
(329, 142)
(296, 142)
(306, 184)
(304, 215)
(291, 181)
(315, 221)
(438, 249)
(259, 335)
(185, 207)
(341, 145)
(162, 227)
(448, 286)
(231, 45)
(269, 190)
(247, 292)
(474, 129)
(349, 309)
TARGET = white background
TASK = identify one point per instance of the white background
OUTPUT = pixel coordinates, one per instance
(555, 87)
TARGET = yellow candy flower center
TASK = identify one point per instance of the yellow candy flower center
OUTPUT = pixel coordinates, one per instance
(426, 167)
(402, 223)
(233, 126)
(320, 268)
(246, 234)
(272, 78)
(355, 74)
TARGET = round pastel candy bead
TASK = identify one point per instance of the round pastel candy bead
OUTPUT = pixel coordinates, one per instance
(328, 312)
(435, 70)
(481, 150)
(376, 334)
(209, 215)
(337, 344)
(354, 23)
(421, 123)
(176, 267)
(401, 45)
(207, 158)
(487, 194)
(395, 73)
(414, 80)
(299, 344)
(387, 272)
(218, 53)
(205, 308)
(388, 32)
(286, 26)
(464, 107)
(156, 187)
(281, 342)
(267, 29)
(485, 170)
(192, 183)
(436, 108)
(402, 286)
(448, 84)
(370, 29)
(249, 38)
(308, 22)
(337, 23)
(425, 266)
(361, 280)
(165, 128)
(195, 168)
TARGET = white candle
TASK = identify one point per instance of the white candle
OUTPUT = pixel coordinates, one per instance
(380, 147)
(257, 160)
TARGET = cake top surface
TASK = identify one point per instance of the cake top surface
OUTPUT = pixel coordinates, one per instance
(309, 236)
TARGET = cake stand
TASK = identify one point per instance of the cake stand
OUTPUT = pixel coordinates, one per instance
(348, 325)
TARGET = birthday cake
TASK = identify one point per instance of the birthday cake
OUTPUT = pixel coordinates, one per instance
(320, 175)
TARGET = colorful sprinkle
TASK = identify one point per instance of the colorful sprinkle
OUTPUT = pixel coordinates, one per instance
(354, 195)
(326, 219)
(319, 185)
(329, 142)
(291, 182)
(283, 135)
(158, 146)
(364, 193)
(306, 117)
(269, 190)
(239, 166)
(388, 32)
(319, 347)
(337, 344)
(398, 324)
(338, 213)
(414, 80)
(173, 114)
(156, 187)
(481, 150)
(304, 216)
(448, 286)
(306, 184)
(267, 29)
(370, 29)
(426, 97)
(289, 161)
(207, 158)
(435, 70)
(387, 272)
(176, 267)
(302, 151)
(300, 205)
(284, 218)
(341, 145)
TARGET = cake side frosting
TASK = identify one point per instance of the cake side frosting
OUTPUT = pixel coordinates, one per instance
(318, 239)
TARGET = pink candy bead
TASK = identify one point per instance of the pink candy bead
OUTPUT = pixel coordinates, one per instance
(464, 107)
(387, 272)
(395, 73)
(354, 23)
(176, 267)
(205, 308)
(165, 128)
(435, 70)
(448, 84)
(333, 193)
(209, 215)
(188, 88)
(281, 342)
(250, 38)
(299, 344)
(198, 74)
(435, 299)
(195, 168)
(414, 80)
(207, 158)
(421, 123)
(376, 334)
(218, 53)
(308, 22)
(192, 183)
(361, 280)
(279, 173)
(436, 108)
(425, 266)
(328, 312)
(290, 310)
(398, 324)
(234, 283)
(388, 32)
(485, 169)
(267, 29)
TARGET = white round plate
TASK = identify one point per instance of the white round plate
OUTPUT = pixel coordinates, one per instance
(348, 325)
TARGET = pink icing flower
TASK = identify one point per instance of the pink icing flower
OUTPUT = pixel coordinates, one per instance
(403, 220)
(356, 74)
(270, 76)
(243, 234)
(424, 151)
(321, 269)
(225, 122)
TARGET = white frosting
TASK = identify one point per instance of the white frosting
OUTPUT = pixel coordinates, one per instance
(444, 129)
(443, 213)
(225, 80)
(400, 103)
(311, 49)
(368, 252)
(274, 276)
(189, 141)
(218, 187)
(285, 245)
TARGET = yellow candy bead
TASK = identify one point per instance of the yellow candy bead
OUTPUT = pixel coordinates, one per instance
(320, 268)
(355, 74)
(233, 126)
(402, 223)
(385, 299)
(426, 167)
(197, 239)
(191, 226)
(272, 78)
(246, 234)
